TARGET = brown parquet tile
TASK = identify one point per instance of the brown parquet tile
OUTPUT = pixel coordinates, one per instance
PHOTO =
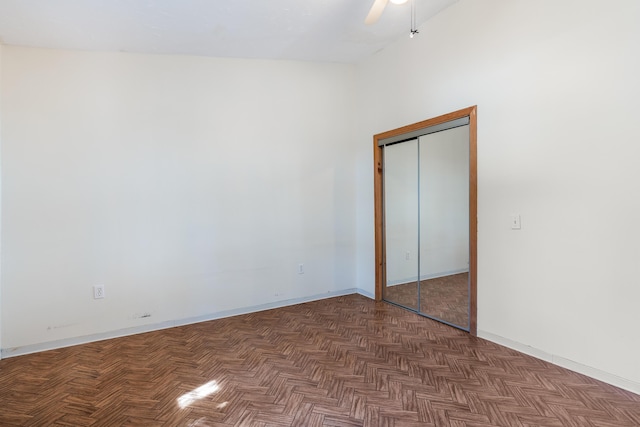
(345, 361)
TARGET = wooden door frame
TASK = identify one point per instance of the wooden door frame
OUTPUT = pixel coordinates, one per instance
(470, 112)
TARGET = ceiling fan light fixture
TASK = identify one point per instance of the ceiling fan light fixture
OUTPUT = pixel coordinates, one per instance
(377, 8)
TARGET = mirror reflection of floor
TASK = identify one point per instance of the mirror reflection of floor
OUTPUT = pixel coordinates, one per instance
(445, 298)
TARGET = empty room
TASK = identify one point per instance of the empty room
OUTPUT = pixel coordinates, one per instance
(319, 213)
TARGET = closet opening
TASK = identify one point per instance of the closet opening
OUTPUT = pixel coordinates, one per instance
(425, 191)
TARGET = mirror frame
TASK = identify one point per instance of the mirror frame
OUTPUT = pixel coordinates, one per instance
(380, 254)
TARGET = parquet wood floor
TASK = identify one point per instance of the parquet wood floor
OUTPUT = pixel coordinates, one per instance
(445, 298)
(344, 361)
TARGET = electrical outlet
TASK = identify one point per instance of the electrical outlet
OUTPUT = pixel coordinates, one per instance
(98, 291)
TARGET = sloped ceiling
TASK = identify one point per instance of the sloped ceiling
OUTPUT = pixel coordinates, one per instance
(311, 30)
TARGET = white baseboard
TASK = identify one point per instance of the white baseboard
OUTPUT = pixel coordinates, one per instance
(364, 293)
(68, 342)
(427, 277)
(603, 376)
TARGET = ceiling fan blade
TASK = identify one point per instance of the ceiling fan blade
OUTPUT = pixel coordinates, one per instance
(375, 12)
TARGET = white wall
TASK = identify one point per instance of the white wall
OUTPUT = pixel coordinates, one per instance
(401, 203)
(556, 84)
(444, 203)
(186, 186)
(1, 49)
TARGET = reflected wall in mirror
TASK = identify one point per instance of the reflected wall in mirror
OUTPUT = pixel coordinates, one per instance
(425, 194)
(401, 223)
(444, 225)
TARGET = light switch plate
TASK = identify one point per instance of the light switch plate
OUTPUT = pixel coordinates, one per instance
(515, 222)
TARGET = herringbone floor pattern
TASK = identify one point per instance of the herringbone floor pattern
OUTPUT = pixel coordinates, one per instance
(345, 361)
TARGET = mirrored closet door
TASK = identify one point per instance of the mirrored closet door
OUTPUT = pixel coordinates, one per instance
(426, 221)
(444, 226)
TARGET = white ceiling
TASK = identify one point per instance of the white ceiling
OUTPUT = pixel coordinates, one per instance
(311, 30)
